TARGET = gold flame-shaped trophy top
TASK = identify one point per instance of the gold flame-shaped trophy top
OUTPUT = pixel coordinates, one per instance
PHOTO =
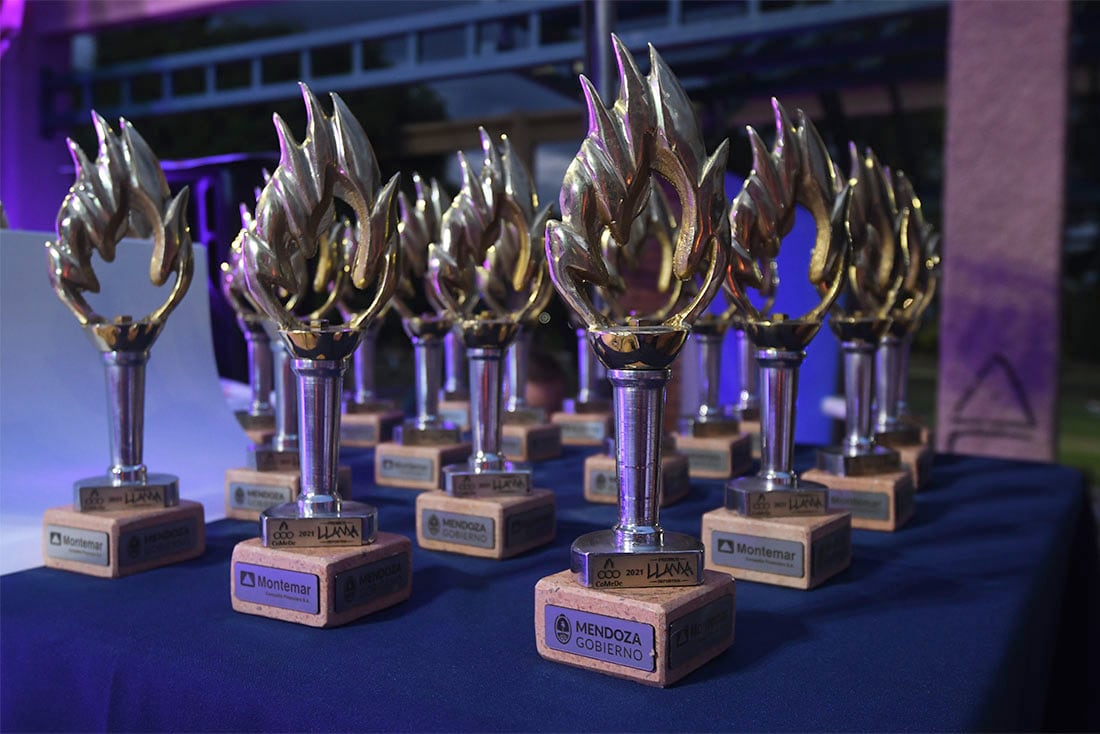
(923, 245)
(420, 226)
(121, 193)
(651, 130)
(797, 170)
(487, 269)
(294, 222)
(879, 260)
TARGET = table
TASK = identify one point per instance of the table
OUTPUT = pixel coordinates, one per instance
(975, 616)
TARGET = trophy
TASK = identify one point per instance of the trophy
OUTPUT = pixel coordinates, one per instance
(637, 602)
(776, 528)
(129, 520)
(586, 419)
(425, 444)
(864, 478)
(367, 420)
(258, 419)
(454, 400)
(893, 425)
(747, 407)
(272, 475)
(655, 228)
(484, 273)
(321, 560)
(711, 438)
(526, 435)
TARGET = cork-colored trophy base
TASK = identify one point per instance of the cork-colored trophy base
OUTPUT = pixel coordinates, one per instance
(321, 587)
(456, 412)
(415, 467)
(601, 483)
(364, 430)
(752, 430)
(719, 457)
(918, 458)
(523, 442)
(799, 552)
(653, 636)
(584, 429)
(486, 527)
(118, 543)
(249, 492)
(876, 501)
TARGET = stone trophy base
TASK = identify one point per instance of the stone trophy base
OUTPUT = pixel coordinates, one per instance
(121, 542)
(584, 429)
(716, 457)
(653, 636)
(415, 467)
(876, 501)
(321, 587)
(918, 458)
(364, 430)
(486, 527)
(258, 428)
(456, 412)
(799, 552)
(249, 492)
(601, 483)
(530, 442)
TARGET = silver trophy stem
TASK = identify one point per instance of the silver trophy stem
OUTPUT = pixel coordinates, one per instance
(516, 363)
(486, 383)
(710, 366)
(887, 371)
(639, 399)
(587, 369)
(286, 400)
(455, 384)
(903, 377)
(320, 385)
(259, 370)
(778, 389)
(126, 414)
(363, 364)
(858, 380)
(428, 356)
(748, 405)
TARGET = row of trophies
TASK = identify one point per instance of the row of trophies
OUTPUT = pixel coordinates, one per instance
(310, 289)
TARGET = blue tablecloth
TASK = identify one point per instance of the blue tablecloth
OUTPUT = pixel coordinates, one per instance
(981, 614)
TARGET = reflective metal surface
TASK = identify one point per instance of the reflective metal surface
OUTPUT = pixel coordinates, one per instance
(293, 223)
(260, 411)
(121, 193)
(650, 132)
(797, 171)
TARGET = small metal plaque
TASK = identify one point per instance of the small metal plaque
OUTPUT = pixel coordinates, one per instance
(831, 552)
(487, 484)
(95, 497)
(777, 503)
(864, 505)
(697, 631)
(643, 570)
(411, 436)
(410, 468)
(266, 458)
(250, 422)
(899, 437)
(452, 527)
(707, 460)
(75, 544)
(526, 527)
(460, 417)
(511, 445)
(258, 497)
(276, 587)
(728, 427)
(364, 584)
(524, 417)
(313, 532)
(768, 555)
(603, 482)
(365, 432)
(597, 636)
(594, 430)
(156, 541)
